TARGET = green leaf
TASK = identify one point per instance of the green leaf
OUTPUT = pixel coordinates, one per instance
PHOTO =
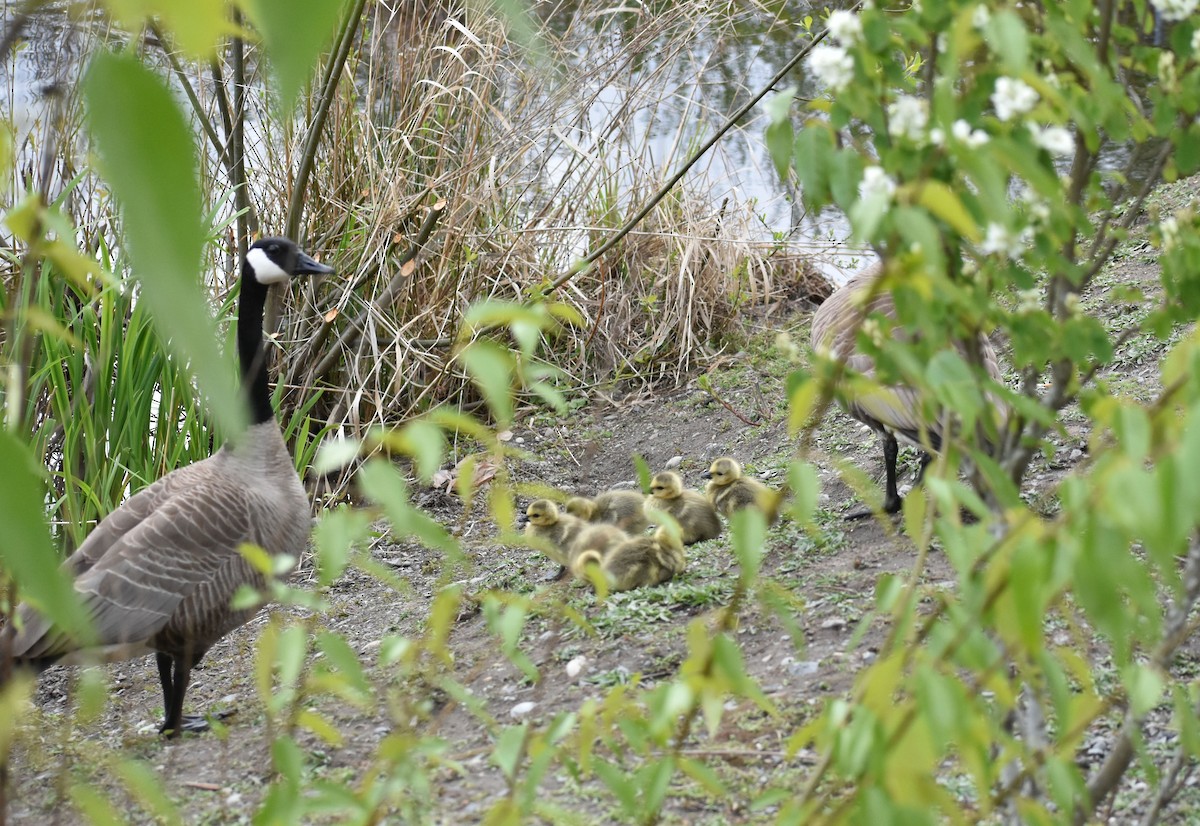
(510, 747)
(295, 32)
(749, 529)
(939, 199)
(1008, 39)
(1145, 687)
(148, 157)
(339, 656)
(26, 552)
(779, 135)
(196, 25)
(805, 485)
(335, 535)
(813, 148)
(147, 788)
(491, 366)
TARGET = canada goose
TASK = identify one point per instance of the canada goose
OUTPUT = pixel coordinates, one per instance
(892, 411)
(636, 562)
(158, 574)
(729, 490)
(557, 531)
(623, 508)
(696, 516)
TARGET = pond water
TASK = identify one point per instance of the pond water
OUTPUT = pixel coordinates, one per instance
(669, 84)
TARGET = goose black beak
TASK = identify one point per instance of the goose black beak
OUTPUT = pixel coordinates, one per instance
(522, 518)
(706, 475)
(307, 265)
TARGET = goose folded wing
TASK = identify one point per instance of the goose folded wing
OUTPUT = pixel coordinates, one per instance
(126, 518)
(132, 592)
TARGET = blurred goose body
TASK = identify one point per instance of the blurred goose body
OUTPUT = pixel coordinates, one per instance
(892, 411)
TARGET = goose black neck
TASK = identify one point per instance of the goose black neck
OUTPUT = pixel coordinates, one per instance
(250, 348)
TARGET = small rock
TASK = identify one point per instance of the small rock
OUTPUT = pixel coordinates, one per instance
(520, 440)
(521, 709)
(673, 462)
(834, 622)
(803, 668)
(575, 666)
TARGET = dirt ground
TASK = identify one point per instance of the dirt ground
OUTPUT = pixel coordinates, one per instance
(636, 637)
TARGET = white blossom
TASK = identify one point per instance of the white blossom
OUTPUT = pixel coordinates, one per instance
(832, 66)
(1013, 97)
(981, 16)
(1168, 75)
(1056, 140)
(1196, 41)
(1038, 207)
(870, 329)
(1029, 301)
(1174, 10)
(876, 183)
(1000, 240)
(937, 136)
(1169, 229)
(908, 117)
(844, 26)
(973, 138)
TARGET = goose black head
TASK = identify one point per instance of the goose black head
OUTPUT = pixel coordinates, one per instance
(274, 260)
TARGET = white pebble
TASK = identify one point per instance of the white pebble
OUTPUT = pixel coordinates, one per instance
(575, 666)
(521, 709)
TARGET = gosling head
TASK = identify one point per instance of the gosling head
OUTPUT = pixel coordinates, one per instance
(666, 485)
(541, 512)
(583, 508)
(724, 471)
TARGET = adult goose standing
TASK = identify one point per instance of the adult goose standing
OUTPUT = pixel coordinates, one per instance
(158, 574)
(894, 410)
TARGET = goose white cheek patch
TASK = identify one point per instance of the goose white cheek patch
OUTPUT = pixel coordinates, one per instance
(266, 271)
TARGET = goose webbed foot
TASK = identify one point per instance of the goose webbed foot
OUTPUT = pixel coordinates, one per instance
(891, 505)
(194, 723)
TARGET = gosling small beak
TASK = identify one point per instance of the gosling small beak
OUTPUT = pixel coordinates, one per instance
(522, 519)
(706, 475)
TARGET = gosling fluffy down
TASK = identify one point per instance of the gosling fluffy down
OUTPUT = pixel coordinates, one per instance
(636, 562)
(729, 490)
(556, 531)
(623, 508)
(696, 516)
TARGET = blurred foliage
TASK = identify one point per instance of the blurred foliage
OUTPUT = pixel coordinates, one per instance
(939, 113)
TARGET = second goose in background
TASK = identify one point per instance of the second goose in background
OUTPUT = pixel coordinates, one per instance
(891, 411)
(696, 516)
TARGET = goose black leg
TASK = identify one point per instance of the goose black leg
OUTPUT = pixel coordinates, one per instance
(174, 674)
(891, 497)
(926, 458)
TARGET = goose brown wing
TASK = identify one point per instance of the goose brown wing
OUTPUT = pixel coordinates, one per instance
(129, 515)
(135, 589)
